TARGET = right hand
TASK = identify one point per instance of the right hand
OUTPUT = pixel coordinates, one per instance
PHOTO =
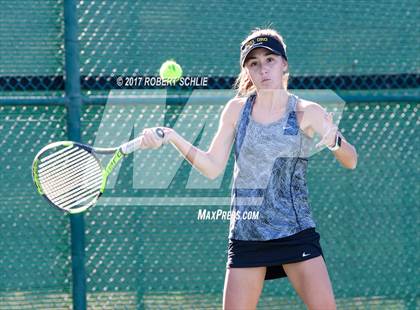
(151, 140)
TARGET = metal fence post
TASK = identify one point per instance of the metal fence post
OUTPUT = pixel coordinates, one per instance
(74, 103)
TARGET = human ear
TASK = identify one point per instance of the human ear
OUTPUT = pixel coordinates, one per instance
(286, 65)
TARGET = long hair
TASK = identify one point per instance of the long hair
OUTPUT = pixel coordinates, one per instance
(243, 84)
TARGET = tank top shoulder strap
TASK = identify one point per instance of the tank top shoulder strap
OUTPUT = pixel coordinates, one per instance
(292, 126)
(248, 105)
(243, 121)
(293, 100)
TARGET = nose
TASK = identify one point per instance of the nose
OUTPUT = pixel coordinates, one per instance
(264, 69)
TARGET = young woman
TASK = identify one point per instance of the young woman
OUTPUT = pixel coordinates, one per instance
(270, 130)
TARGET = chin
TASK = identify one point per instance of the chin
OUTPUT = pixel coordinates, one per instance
(269, 86)
(266, 85)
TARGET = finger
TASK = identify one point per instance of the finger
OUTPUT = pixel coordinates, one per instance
(327, 132)
(331, 116)
(147, 132)
(159, 140)
(143, 144)
(326, 124)
(328, 117)
(333, 130)
(154, 140)
(151, 142)
(147, 141)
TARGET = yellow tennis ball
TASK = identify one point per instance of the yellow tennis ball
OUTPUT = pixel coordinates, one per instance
(170, 71)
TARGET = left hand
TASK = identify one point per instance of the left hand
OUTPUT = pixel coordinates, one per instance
(330, 131)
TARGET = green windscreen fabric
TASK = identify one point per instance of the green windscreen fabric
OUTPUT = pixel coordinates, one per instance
(31, 38)
(323, 37)
(31, 48)
(35, 269)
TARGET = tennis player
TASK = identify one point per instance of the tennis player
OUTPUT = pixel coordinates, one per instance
(269, 129)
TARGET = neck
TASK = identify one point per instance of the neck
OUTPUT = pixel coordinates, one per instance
(272, 99)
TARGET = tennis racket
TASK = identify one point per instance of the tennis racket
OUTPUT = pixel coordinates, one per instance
(70, 176)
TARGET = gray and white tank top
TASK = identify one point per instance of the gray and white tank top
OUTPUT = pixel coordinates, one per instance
(269, 177)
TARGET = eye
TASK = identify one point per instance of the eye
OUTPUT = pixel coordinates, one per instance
(252, 63)
(270, 59)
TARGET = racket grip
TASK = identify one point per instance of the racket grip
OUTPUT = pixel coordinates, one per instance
(134, 144)
(131, 146)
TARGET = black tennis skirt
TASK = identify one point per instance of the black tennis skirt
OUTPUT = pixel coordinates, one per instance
(274, 253)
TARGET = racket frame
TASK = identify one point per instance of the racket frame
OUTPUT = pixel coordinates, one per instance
(118, 153)
(116, 158)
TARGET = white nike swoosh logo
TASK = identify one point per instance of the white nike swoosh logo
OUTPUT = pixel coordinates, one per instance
(304, 254)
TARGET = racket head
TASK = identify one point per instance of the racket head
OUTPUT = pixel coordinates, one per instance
(68, 175)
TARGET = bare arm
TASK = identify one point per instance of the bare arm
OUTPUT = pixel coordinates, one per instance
(346, 154)
(212, 162)
(319, 121)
